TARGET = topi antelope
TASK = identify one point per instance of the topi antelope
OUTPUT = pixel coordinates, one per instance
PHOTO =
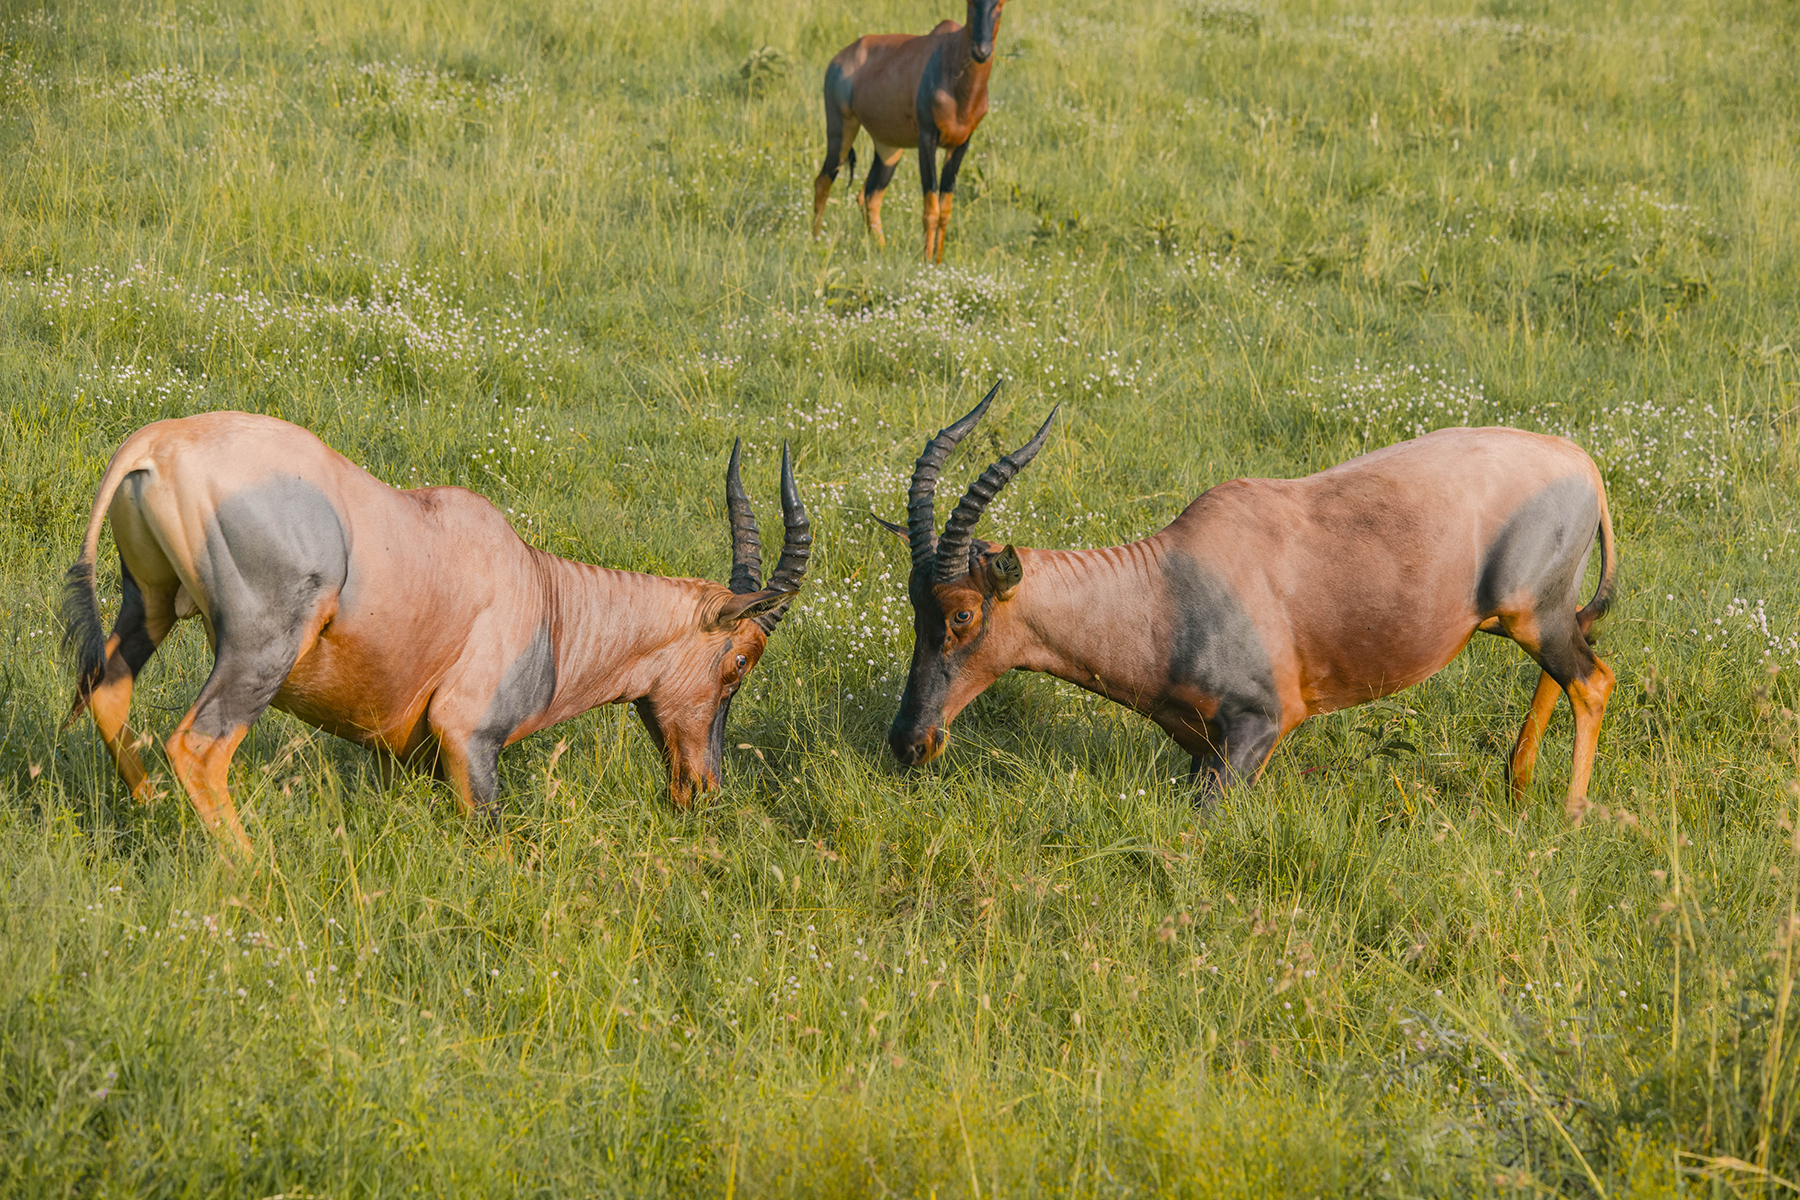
(927, 91)
(415, 623)
(1269, 600)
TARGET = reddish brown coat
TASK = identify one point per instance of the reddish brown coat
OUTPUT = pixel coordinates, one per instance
(415, 623)
(929, 91)
(1271, 600)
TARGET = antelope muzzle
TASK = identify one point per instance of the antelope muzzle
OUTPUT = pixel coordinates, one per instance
(915, 743)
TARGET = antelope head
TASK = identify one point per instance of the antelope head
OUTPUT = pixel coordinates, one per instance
(686, 708)
(965, 634)
(983, 24)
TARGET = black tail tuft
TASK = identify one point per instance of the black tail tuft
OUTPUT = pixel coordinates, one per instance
(850, 171)
(82, 634)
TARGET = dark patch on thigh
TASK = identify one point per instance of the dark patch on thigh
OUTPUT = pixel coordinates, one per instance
(273, 553)
(525, 690)
(135, 646)
(1542, 551)
(837, 87)
(1217, 649)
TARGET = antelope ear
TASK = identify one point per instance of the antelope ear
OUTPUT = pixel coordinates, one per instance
(1004, 573)
(737, 608)
(898, 531)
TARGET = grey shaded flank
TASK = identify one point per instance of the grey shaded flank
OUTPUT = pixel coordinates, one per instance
(837, 86)
(1542, 551)
(1540, 555)
(273, 554)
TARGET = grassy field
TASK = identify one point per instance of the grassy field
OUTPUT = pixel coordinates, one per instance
(557, 252)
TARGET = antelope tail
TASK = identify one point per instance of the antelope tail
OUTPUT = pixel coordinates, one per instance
(1596, 608)
(82, 634)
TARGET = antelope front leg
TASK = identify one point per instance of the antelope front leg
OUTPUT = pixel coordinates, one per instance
(952, 164)
(470, 764)
(928, 183)
(880, 172)
(1227, 751)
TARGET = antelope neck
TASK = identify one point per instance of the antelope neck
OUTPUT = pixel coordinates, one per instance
(967, 75)
(1085, 613)
(608, 629)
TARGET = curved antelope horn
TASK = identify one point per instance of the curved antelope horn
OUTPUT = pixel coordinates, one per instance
(796, 543)
(746, 542)
(953, 551)
(921, 522)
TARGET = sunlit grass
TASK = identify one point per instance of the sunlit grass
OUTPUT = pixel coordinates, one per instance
(558, 254)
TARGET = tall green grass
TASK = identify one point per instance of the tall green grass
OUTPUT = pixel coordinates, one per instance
(557, 252)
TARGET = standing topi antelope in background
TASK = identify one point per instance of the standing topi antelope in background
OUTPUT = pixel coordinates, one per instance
(1270, 600)
(415, 623)
(928, 91)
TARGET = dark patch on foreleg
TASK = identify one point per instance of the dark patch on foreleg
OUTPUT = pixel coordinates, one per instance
(881, 173)
(1245, 737)
(524, 692)
(1217, 649)
(947, 195)
(928, 183)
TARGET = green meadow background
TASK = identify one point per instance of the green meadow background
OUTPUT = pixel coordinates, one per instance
(557, 252)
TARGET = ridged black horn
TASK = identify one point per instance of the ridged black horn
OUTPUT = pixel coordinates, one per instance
(953, 550)
(746, 542)
(796, 543)
(921, 522)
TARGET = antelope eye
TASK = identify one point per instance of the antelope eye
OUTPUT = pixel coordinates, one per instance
(962, 618)
(741, 661)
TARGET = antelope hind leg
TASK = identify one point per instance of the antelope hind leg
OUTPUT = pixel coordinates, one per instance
(840, 143)
(245, 677)
(272, 577)
(1522, 764)
(201, 761)
(1588, 696)
(145, 617)
(110, 702)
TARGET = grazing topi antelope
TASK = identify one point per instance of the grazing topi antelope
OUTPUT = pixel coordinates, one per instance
(415, 623)
(1269, 600)
(927, 91)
